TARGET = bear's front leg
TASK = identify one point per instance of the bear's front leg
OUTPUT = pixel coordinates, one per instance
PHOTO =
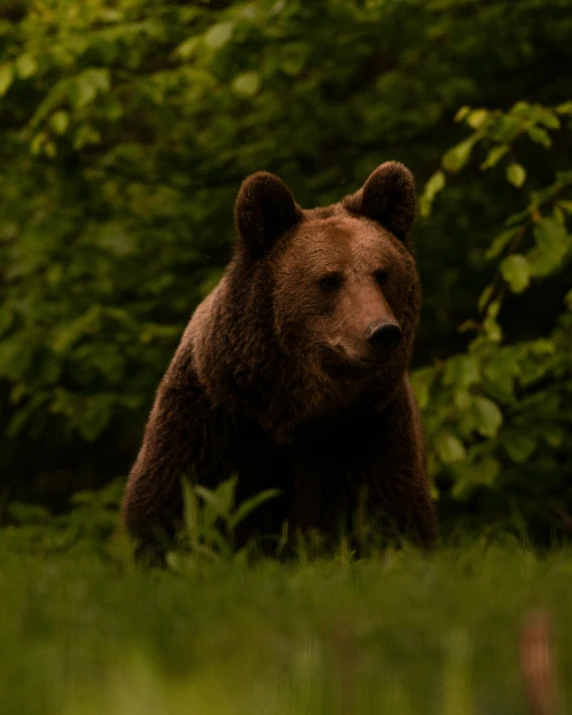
(367, 471)
(400, 487)
(183, 434)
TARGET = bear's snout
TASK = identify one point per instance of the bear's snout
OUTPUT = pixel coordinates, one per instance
(383, 337)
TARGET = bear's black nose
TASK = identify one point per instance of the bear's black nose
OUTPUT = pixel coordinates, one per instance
(384, 337)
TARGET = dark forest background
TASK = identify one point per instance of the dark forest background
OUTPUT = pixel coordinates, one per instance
(127, 128)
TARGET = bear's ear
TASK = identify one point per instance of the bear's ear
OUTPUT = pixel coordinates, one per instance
(264, 209)
(388, 197)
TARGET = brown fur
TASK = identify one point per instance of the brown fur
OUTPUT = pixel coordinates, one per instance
(274, 378)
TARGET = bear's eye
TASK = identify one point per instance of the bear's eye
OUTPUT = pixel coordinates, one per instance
(331, 282)
(380, 277)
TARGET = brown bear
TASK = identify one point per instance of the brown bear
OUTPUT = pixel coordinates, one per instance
(292, 373)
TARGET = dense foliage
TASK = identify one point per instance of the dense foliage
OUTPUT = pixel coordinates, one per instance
(498, 415)
(128, 126)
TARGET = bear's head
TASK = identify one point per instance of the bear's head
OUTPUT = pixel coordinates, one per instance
(318, 307)
(346, 293)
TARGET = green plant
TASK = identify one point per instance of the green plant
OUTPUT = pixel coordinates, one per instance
(211, 520)
(89, 526)
(498, 414)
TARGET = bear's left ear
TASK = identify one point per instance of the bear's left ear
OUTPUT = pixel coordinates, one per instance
(264, 209)
(388, 197)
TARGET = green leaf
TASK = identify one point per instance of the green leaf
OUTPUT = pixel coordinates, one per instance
(191, 511)
(516, 174)
(554, 436)
(518, 445)
(462, 113)
(540, 136)
(37, 143)
(499, 376)
(60, 122)
(218, 35)
(100, 78)
(225, 492)
(476, 118)
(559, 216)
(493, 309)
(565, 108)
(187, 48)
(470, 475)
(247, 84)
(85, 93)
(515, 270)
(26, 66)
(6, 78)
(491, 329)
(88, 85)
(249, 505)
(215, 500)
(494, 156)
(488, 417)
(545, 116)
(552, 238)
(24, 513)
(211, 508)
(501, 241)
(459, 155)
(95, 415)
(435, 184)
(50, 149)
(462, 371)
(69, 332)
(485, 296)
(421, 381)
(450, 448)
(566, 205)
(84, 135)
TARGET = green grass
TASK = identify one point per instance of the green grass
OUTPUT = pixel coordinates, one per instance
(398, 634)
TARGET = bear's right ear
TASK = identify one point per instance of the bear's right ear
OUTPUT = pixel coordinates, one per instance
(388, 197)
(264, 209)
